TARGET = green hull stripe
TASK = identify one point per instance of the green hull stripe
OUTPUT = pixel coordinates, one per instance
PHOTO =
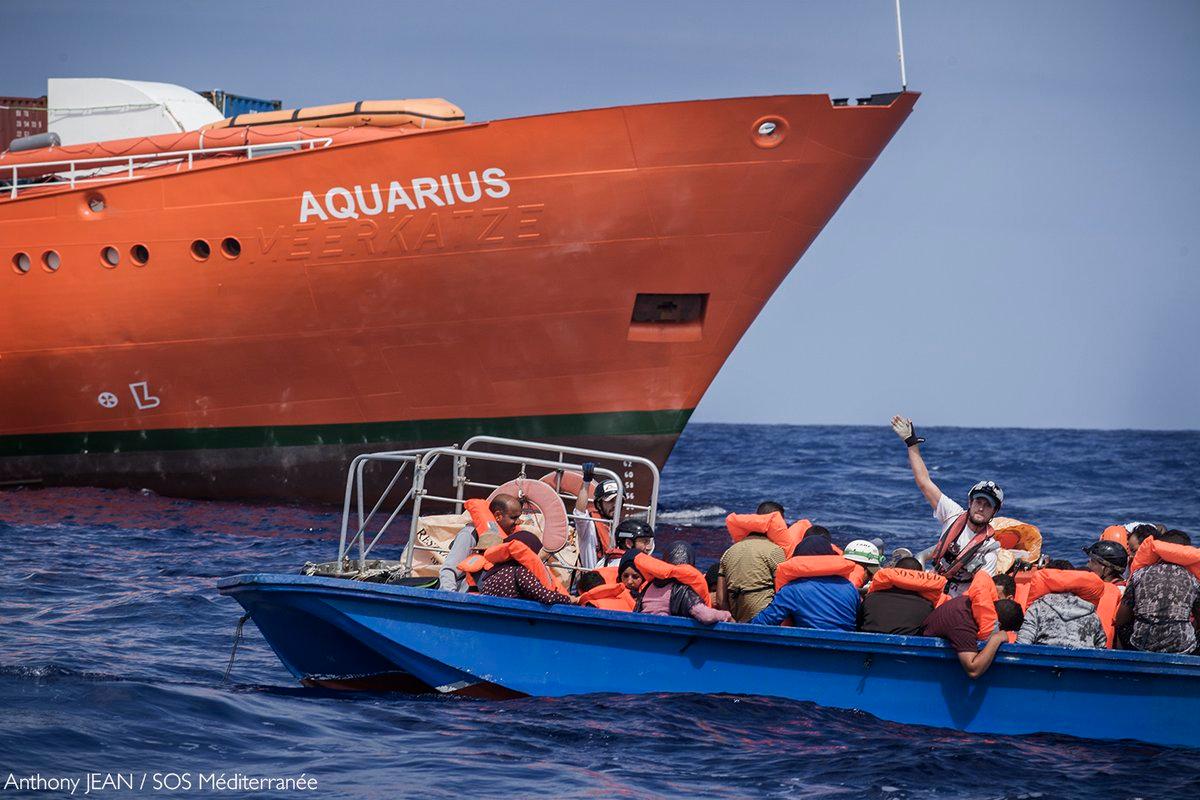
(447, 431)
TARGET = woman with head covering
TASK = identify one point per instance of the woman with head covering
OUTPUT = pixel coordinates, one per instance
(675, 587)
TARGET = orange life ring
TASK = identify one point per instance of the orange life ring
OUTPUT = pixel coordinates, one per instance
(547, 502)
(569, 483)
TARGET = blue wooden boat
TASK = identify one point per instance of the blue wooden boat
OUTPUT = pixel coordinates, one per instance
(350, 634)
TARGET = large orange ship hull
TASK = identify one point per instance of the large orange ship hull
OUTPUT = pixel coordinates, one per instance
(575, 277)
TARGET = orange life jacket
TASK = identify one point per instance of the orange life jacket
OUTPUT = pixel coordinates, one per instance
(1107, 608)
(608, 573)
(927, 584)
(966, 554)
(1023, 580)
(613, 597)
(482, 517)
(742, 525)
(796, 533)
(472, 565)
(656, 569)
(983, 595)
(1118, 534)
(518, 551)
(1084, 585)
(818, 567)
(1152, 551)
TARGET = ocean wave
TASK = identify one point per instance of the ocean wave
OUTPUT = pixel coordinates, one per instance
(706, 516)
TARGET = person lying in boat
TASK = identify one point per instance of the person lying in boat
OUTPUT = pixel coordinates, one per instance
(980, 613)
(674, 587)
(1162, 600)
(815, 588)
(506, 513)
(515, 571)
(594, 592)
(967, 543)
(1062, 609)
(746, 571)
(900, 598)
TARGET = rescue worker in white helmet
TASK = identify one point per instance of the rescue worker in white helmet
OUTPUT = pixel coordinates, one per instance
(967, 543)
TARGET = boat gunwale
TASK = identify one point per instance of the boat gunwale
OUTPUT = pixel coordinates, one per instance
(1040, 656)
(165, 171)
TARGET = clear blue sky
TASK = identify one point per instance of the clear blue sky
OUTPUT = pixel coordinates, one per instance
(1025, 253)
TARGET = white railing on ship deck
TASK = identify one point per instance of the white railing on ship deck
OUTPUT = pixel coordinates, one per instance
(127, 164)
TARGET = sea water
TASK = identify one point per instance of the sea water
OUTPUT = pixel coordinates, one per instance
(114, 643)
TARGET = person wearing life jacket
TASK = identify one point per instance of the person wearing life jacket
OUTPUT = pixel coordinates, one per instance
(632, 535)
(867, 554)
(675, 587)
(1108, 559)
(978, 614)
(900, 598)
(505, 513)
(592, 533)
(967, 543)
(518, 573)
(1139, 532)
(628, 575)
(815, 588)
(1162, 600)
(746, 571)
(1062, 608)
(594, 592)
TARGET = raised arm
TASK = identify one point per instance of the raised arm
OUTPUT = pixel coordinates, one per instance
(904, 429)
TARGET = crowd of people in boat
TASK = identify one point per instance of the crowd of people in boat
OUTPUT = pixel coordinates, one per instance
(1137, 589)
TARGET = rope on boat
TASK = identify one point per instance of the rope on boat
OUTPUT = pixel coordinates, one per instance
(237, 638)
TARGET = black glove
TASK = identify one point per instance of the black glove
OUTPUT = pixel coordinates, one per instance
(589, 471)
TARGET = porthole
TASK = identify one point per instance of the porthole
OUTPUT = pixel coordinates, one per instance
(21, 263)
(200, 250)
(139, 254)
(768, 132)
(51, 261)
(95, 202)
(109, 257)
(231, 247)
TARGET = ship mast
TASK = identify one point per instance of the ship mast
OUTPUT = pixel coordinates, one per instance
(900, 38)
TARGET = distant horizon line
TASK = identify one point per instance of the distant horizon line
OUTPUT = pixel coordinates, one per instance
(924, 426)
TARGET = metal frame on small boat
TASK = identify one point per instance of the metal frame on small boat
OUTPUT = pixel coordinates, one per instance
(348, 634)
(425, 461)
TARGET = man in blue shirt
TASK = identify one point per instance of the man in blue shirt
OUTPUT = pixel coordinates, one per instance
(828, 602)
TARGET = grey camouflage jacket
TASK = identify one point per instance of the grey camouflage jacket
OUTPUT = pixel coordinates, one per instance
(1062, 620)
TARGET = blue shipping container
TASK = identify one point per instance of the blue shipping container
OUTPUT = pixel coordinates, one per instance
(231, 105)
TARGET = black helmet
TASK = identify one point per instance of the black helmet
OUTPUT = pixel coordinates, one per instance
(1109, 553)
(634, 529)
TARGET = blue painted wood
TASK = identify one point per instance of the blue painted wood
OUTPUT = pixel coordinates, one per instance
(331, 627)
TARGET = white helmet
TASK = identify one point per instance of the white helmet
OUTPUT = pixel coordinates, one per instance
(863, 552)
